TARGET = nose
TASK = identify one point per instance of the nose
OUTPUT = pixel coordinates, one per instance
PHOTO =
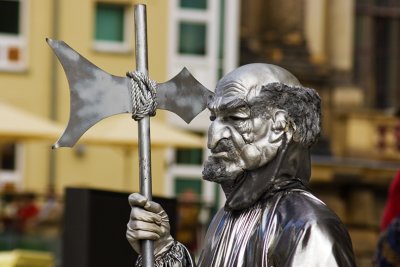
(217, 131)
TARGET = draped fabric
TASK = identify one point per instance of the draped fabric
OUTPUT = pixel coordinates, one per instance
(292, 228)
(271, 219)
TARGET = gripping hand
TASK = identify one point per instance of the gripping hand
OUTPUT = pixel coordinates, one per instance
(148, 221)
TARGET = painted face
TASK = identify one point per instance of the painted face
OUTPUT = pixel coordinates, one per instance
(238, 139)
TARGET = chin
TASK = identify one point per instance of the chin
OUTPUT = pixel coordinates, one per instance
(220, 171)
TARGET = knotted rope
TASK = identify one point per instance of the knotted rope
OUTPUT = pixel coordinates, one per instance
(143, 95)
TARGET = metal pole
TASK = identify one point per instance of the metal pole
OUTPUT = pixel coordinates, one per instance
(54, 95)
(144, 126)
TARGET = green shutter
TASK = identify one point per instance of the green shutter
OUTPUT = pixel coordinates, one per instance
(189, 156)
(192, 38)
(109, 23)
(198, 4)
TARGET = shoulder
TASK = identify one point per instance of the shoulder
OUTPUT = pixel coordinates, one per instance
(308, 227)
(304, 207)
(302, 215)
(296, 211)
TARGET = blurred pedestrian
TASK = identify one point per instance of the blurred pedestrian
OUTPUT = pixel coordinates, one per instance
(392, 207)
(388, 248)
(27, 213)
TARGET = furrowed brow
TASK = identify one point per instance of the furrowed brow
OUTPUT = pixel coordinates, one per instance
(235, 103)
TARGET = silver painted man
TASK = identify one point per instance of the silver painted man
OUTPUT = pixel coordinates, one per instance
(263, 125)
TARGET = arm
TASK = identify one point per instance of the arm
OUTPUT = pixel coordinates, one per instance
(148, 221)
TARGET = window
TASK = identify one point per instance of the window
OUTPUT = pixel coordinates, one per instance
(9, 17)
(192, 38)
(189, 156)
(198, 4)
(7, 157)
(112, 30)
(377, 51)
(10, 164)
(110, 23)
(12, 35)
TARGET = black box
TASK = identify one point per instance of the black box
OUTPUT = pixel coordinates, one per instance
(95, 227)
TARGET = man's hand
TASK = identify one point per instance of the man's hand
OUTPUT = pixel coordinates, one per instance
(148, 221)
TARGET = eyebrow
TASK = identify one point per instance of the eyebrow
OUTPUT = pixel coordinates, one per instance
(235, 103)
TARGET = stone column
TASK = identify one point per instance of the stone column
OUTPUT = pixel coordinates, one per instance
(283, 21)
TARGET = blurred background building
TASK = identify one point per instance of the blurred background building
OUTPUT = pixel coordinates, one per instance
(348, 50)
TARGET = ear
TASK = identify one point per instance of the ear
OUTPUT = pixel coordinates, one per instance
(280, 126)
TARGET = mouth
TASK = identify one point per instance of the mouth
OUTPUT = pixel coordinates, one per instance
(221, 155)
(224, 150)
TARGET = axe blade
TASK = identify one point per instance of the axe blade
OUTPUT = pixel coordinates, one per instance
(183, 95)
(96, 94)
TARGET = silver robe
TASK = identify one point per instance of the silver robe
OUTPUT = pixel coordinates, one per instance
(292, 228)
(271, 219)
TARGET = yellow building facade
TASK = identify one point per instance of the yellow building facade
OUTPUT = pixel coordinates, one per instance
(33, 80)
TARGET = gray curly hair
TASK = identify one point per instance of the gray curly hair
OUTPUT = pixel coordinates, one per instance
(302, 104)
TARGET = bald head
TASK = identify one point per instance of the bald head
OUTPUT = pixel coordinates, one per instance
(246, 82)
(258, 73)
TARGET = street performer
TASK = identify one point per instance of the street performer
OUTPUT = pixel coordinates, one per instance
(263, 123)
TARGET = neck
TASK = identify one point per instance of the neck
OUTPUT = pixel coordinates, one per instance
(227, 188)
(290, 166)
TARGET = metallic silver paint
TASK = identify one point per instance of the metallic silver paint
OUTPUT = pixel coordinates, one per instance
(96, 94)
(293, 228)
(93, 93)
(269, 219)
(144, 126)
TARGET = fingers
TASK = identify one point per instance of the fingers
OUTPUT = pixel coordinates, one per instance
(139, 214)
(134, 236)
(138, 200)
(141, 226)
(147, 216)
(153, 207)
(135, 233)
(148, 221)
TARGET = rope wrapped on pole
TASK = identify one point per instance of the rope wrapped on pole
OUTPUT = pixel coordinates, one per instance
(143, 95)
